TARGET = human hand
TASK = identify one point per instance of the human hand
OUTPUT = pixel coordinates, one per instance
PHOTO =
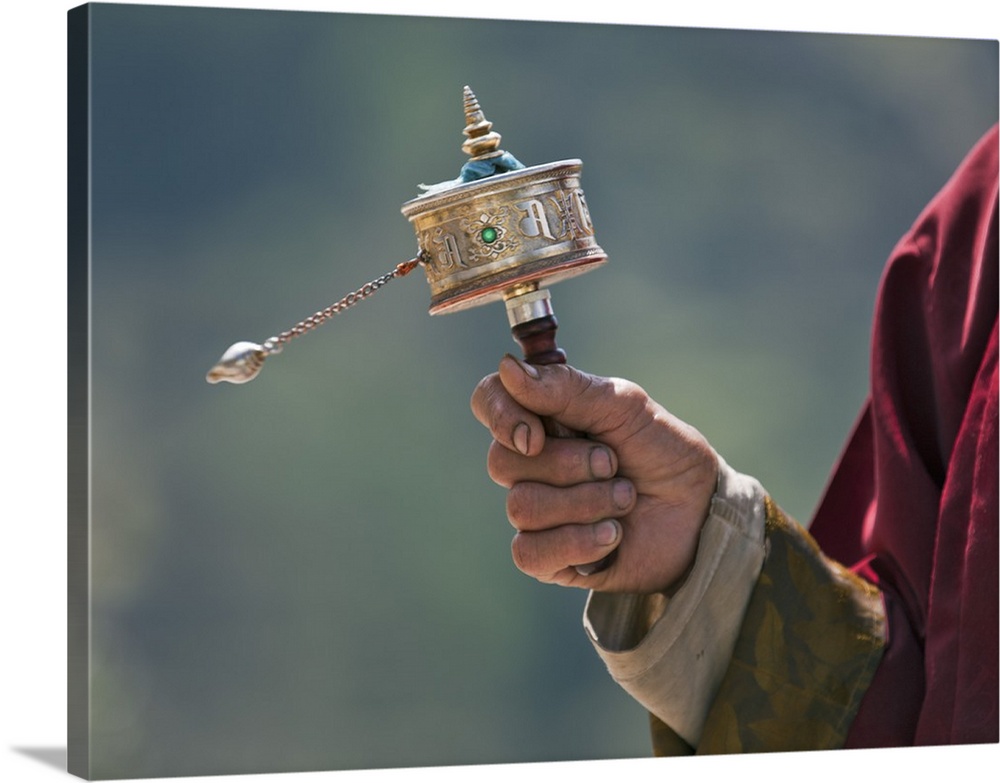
(640, 480)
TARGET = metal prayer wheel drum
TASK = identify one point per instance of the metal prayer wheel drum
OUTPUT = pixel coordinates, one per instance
(482, 240)
(501, 229)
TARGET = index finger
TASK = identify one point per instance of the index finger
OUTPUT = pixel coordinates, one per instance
(510, 423)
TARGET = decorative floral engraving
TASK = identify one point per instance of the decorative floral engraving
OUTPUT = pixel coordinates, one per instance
(489, 237)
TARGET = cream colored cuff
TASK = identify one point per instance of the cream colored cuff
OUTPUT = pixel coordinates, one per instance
(675, 669)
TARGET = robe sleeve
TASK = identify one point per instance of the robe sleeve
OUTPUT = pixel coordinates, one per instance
(671, 653)
(768, 645)
(811, 641)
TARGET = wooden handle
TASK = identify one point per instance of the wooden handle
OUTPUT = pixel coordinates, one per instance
(537, 339)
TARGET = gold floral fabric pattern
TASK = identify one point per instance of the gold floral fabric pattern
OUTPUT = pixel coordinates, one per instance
(811, 640)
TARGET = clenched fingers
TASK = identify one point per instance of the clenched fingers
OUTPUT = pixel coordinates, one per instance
(550, 555)
(562, 462)
(532, 506)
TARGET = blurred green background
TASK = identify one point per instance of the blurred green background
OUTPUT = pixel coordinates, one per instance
(312, 571)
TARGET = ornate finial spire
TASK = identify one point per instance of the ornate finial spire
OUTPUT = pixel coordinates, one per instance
(483, 148)
(482, 142)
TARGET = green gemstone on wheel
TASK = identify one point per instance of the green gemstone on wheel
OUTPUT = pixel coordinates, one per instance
(488, 235)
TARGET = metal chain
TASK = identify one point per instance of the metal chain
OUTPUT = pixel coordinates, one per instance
(276, 344)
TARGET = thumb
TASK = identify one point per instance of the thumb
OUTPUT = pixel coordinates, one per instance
(586, 403)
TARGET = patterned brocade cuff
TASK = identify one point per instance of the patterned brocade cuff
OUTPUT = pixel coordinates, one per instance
(672, 654)
(812, 639)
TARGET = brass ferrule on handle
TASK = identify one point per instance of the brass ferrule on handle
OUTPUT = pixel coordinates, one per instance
(524, 307)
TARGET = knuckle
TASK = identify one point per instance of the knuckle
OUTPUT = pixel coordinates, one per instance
(491, 404)
(496, 408)
(627, 404)
(523, 553)
(479, 397)
(521, 506)
(497, 467)
(577, 386)
(631, 396)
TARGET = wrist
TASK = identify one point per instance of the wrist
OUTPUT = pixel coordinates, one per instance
(670, 650)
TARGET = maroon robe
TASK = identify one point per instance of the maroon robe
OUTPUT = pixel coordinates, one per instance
(913, 502)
